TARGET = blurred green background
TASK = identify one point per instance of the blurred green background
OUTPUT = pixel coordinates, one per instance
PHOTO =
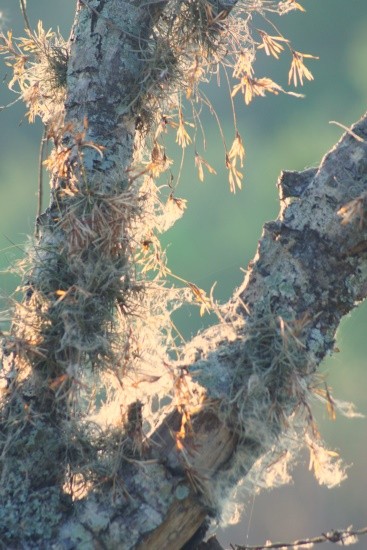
(219, 233)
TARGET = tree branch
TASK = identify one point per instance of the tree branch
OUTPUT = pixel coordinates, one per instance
(306, 275)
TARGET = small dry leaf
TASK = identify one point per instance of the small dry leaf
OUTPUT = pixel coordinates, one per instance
(298, 70)
(251, 87)
(237, 151)
(235, 154)
(271, 44)
(182, 137)
(243, 65)
(290, 5)
(234, 175)
(200, 163)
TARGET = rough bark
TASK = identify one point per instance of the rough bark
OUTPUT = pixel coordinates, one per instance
(248, 377)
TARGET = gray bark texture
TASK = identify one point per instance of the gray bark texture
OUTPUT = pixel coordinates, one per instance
(242, 387)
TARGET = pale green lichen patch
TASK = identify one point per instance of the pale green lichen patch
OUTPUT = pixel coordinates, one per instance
(95, 518)
(76, 535)
(182, 491)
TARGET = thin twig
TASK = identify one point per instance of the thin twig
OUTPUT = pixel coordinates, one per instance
(348, 130)
(25, 16)
(332, 536)
(40, 178)
(2, 107)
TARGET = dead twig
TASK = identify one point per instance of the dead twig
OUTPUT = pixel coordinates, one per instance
(348, 535)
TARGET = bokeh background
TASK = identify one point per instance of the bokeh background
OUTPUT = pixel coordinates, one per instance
(218, 236)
